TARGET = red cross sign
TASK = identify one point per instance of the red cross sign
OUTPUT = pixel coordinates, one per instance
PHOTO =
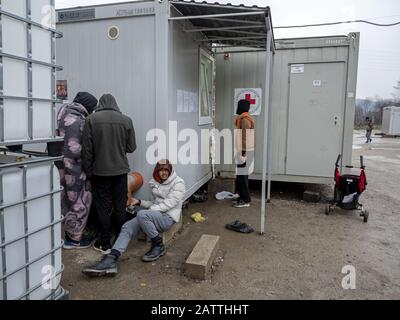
(252, 95)
(249, 99)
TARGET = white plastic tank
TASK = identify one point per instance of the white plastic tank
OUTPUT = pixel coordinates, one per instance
(391, 121)
(27, 59)
(30, 229)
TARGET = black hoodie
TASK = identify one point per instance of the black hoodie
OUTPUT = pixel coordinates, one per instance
(107, 137)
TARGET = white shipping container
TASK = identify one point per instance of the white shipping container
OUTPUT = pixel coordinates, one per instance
(161, 76)
(312, 102)
(391, 121)
(30, 229)
(27, 71)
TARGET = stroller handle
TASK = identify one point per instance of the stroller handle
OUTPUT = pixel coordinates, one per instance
(337, 160)
(362, 162)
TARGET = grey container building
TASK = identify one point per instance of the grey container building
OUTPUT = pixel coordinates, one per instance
(313, 91)
(156, 59)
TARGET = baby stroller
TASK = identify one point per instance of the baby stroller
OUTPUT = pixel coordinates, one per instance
(348, 189)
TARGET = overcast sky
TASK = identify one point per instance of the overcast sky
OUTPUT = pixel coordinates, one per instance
(379, 64)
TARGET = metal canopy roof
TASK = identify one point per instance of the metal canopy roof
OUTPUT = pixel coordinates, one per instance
(226, 25)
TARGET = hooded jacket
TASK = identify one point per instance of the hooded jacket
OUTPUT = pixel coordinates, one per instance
(107, 137)
(245, 128)
(168, 196)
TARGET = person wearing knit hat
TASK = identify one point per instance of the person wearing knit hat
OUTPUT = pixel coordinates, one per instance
(157, 216)
(245, 143)
(77, 195)
(87, 100)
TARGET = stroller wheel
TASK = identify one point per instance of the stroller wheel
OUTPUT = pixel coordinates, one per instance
(327, 209)
(365, 216)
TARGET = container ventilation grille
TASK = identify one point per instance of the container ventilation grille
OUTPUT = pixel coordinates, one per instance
(113, 32)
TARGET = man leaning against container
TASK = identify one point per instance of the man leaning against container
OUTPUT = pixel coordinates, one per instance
(107, 137)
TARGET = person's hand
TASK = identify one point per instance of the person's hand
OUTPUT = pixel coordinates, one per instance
(134, 202)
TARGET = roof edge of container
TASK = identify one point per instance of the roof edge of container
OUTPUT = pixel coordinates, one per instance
(103, 5)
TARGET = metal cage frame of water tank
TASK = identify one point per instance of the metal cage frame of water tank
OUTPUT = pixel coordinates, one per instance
(58, 292)
(54, 67)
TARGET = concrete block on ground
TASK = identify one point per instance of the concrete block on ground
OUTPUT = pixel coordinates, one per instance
(311, 196)
(199, 262)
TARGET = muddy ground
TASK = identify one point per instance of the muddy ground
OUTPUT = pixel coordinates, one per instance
(301, 256)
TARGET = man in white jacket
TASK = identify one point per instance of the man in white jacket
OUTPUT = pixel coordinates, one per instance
(159, 215)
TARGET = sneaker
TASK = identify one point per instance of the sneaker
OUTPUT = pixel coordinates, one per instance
(107, 266)
(236, 200)
(70, 244)
(242, 204)
(103, 248)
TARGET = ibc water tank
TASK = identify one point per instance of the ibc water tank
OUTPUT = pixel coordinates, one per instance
(30, 229)
(27, 70)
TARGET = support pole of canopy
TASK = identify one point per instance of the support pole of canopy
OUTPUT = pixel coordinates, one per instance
(269, 164)
(266, 121)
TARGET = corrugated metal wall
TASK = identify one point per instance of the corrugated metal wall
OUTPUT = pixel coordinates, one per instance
(124, 67)
(184, 75)
(241, 70)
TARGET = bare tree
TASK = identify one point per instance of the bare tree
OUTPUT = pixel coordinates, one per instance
(359, 116)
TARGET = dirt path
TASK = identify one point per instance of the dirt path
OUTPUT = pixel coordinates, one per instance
(300, 257)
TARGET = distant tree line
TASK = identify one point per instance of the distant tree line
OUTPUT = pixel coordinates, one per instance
(373, 107)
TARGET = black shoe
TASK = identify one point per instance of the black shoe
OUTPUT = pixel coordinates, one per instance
(104, 248)
(107, 266)
(154, 253)
(239, 227)
(234, 201)
(241, 204)
(157, 250)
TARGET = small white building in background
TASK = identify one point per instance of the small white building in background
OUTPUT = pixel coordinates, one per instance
(391, 121)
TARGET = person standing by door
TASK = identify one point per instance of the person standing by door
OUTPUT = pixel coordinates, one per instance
(107, 137)
(245, 144)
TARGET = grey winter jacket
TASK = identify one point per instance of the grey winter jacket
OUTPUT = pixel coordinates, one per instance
(107, 137)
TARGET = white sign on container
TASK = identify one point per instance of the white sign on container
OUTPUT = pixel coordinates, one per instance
(297, 68)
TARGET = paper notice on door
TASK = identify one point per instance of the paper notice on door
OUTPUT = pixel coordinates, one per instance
(180, 101)
(193, 102)
(186, 101)
(297, 68)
